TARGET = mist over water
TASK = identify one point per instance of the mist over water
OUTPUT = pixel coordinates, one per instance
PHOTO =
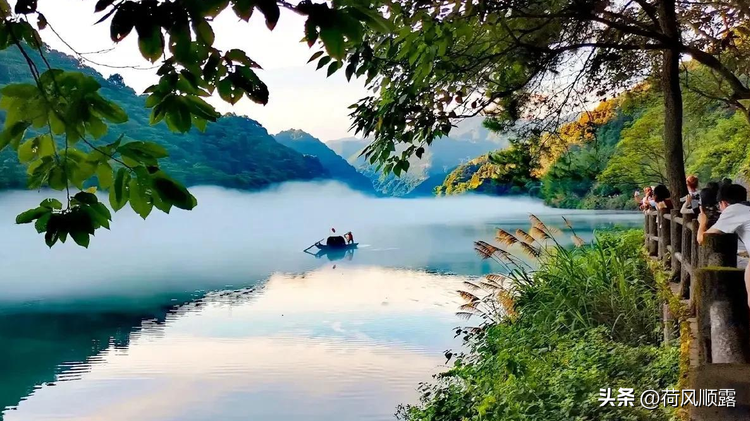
(218, 314)
(235, 239)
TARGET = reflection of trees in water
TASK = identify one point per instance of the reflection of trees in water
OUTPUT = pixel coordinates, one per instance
(40, 346)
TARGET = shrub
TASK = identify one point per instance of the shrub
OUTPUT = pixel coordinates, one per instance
(518, 372)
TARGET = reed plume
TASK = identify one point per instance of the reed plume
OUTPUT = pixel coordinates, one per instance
(484, 249)
(468, 296)
(490, 286)
(472, 286)
(530, 250)
(469, 307)
(524, 237)
(496, 278)
(539, 233)
(464, 315)
(504, 237)
(536, 222)
(505, 299)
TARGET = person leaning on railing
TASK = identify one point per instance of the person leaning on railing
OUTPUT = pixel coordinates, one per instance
(734, 219)
(661, 197)
(646, 202)
(691, 203)
(709, 204)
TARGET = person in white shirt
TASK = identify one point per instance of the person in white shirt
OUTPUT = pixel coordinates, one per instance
(734, 219)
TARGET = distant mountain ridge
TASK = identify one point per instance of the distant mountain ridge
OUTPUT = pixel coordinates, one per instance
(348, 147)
(467, 141)
(337, 167)
(234, 152)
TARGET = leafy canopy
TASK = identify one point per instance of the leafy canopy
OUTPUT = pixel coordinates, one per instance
(57, 124)
(533, 62)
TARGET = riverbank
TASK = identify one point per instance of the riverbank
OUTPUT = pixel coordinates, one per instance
(587, 320)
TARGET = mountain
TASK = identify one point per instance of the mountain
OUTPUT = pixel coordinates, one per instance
(476, 176)
(467, 140)
(234, 152)
(348, 147)
(427, 186)
(337, 166)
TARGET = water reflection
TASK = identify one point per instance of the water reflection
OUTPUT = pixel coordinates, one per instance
(41, 345)
(349, 343)
(350, 338)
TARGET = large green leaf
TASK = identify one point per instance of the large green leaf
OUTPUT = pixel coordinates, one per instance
(204, 32)
(243, 9)
(31, 215)
(151, 42)
(51, 204)
(41, 224)
(173, 192)
(140, 200)
(270, 10)
(178, 116)
(20, 90)
(26, 151)
(86, 198)
(123, 21)
(57, 178)
(108, 110)
(81, 238)
(333, 39)
(13, 134)
(105, 176)
(4, 9)
(118, 194)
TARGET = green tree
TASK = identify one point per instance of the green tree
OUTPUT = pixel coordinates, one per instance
(535, 61)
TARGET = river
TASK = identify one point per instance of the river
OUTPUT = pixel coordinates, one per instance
(217, 314)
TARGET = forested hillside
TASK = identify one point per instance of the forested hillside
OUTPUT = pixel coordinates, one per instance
(234, 152)
(598, 160)
(337, 166)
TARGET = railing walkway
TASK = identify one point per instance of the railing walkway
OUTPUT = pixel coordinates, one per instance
(710, 285)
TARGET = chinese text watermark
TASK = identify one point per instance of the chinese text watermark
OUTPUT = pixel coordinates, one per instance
(652, 399)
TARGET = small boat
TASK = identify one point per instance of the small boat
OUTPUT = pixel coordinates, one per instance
(336, 247)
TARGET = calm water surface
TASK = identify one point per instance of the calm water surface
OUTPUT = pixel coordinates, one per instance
(217, 315)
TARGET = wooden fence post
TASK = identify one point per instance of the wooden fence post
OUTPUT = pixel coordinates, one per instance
(694, 244)
(653, 245)
(675, 231)
(718, 250)
(687, 253)
(723, 316)
(664, 235)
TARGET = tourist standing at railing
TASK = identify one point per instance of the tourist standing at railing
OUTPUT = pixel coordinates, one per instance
(647, 201)
(710, 204)
(661, 197)
(691, 202)
(734, 219)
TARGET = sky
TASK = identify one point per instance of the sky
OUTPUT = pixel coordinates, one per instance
(301, 97)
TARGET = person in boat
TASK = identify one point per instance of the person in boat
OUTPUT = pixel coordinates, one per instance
(349, 238)
(335, 240)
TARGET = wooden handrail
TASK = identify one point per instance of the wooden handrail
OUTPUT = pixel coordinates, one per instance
(708, 277)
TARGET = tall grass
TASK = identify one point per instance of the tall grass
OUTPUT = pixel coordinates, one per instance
(602, 284)
(557, 327)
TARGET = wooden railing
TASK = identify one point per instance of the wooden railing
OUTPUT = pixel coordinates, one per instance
(707, 279)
